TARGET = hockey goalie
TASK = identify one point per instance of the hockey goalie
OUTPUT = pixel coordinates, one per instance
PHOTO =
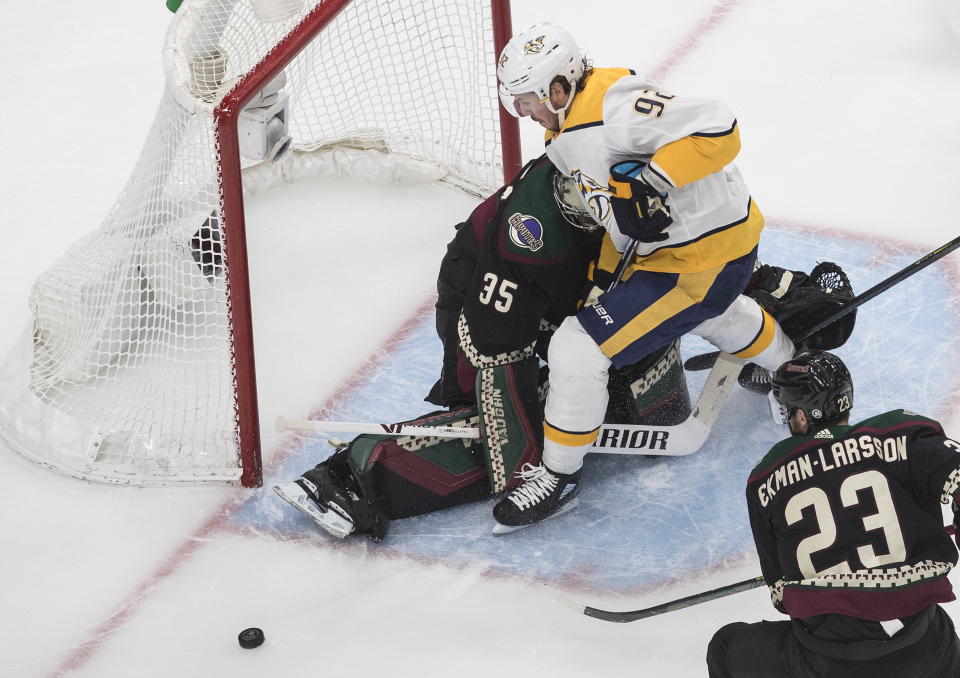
(526, 258)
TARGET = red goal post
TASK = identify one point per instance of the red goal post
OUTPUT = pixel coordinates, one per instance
(139, 364)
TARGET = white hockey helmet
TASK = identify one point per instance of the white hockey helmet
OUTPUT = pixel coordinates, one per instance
(532, 59)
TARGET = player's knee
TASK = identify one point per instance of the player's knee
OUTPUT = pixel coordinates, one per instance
(574, 355)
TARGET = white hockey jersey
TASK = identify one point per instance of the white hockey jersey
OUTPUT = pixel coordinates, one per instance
(689, 143)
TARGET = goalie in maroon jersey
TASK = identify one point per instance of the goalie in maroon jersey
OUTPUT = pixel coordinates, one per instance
(848, 526)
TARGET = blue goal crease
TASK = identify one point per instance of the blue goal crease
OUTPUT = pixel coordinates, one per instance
(644, 522)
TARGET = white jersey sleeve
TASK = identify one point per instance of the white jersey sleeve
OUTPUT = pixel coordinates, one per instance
(641, 120)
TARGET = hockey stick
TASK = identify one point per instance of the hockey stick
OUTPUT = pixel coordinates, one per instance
(705, 360)
(625, 258)
(671, 441)
(679, 604)
(673, 605)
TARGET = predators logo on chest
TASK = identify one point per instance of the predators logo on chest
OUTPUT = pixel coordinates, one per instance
(526, 231)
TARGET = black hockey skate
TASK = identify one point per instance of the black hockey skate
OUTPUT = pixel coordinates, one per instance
(323, 497)
(755, 378)
(542, 495)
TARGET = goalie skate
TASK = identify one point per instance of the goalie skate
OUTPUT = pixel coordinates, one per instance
(330, 516)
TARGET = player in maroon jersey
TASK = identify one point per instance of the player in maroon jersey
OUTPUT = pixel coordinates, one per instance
(848, 525)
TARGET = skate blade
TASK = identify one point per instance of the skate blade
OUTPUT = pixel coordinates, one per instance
(329, 520)
(499, 529)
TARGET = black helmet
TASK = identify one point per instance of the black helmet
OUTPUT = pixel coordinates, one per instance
(816, 382)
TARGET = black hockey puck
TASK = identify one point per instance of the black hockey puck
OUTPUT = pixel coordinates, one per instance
(250, 638)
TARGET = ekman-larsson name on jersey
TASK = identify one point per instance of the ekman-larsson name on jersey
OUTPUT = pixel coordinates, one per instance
(840, 453)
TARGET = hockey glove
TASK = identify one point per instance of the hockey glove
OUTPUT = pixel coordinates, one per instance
(640, 210)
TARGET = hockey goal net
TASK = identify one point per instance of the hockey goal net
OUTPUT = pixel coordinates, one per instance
(138, 364)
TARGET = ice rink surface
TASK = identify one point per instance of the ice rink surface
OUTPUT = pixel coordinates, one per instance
(848, 114)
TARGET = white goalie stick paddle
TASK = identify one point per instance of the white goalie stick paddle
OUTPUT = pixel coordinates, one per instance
(675, 441)
(680, 439)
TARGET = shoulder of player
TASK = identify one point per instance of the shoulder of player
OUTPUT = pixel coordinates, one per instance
(621, 98)
(529, 238)
(590, 103)
(781, 452)
(636, 101)
(894, 421)
(531, 228)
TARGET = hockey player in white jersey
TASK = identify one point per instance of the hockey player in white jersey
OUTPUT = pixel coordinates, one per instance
(653, 167)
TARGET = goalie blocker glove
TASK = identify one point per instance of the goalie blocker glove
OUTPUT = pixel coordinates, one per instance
(798, 301)
(639, 207)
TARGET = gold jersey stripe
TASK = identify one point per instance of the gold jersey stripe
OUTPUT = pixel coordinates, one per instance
(718, 247)
(587, 107)
(691, 158)
(568, 439)
(764, 337)
(691, 289)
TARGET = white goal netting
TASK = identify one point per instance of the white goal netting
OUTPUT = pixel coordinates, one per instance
(129, 370)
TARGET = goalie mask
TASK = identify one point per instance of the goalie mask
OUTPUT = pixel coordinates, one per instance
(816, 382)
(532, 59)
(569, 200)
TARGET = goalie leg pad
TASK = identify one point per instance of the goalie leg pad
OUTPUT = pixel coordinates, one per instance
(410, 475)
(511, 418)
(653, 391)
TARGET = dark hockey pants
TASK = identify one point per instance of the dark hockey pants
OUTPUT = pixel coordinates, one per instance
(772, 650)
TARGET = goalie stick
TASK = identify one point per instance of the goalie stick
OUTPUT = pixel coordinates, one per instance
(706, 360)
(283, 424)
(668, 440)
(677, 440)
